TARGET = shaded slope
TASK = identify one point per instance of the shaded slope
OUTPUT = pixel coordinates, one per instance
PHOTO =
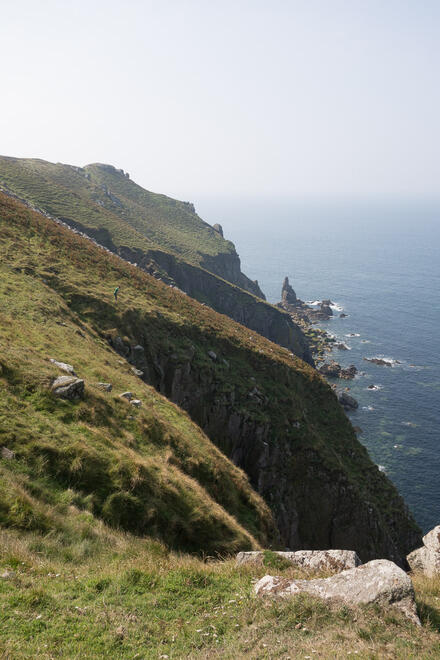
(268, 411)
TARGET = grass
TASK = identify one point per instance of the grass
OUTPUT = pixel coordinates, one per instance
(99, 197)
(132, 598)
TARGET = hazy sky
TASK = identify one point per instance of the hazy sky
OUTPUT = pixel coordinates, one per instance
(229, 98)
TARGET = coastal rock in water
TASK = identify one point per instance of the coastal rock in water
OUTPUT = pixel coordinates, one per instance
(63, 366)
(288, 295)
(68, 387)
(379, 361)
(342, 315)
(313, 560)
(349, 373)
(347, 401)
(325, 308)
(427, 558)
(330, 369)
(380, 581)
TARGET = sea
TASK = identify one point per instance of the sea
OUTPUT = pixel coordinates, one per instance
(379, 263)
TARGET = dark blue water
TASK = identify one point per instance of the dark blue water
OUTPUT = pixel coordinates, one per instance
(381, 264)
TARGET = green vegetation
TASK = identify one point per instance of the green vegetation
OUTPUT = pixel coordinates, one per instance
(100, 197)
(109, 595)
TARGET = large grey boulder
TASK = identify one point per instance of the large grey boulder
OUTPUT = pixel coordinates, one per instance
(68, 387)
(63, 366)
(427, 558)
(310, 560)
(379, 581)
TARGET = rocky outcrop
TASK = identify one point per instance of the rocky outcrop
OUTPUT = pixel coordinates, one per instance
(218, 228)
(68, 387)
(227, 266)
(379, 582)
(288, 295)
(427, 558)
(63, 366)
(347, 401)
(309, 560)
(334, 370)
(326, 309)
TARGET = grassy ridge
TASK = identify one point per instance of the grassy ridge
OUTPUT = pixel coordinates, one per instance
(99, 196)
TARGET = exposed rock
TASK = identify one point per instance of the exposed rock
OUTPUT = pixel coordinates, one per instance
(330, 369)
(63, 366)
(68, 387)
(126, 395)
(218, 228)
(7, 575)
(137, 372)
(105, 387)
(212, 355)
(379, 581)
(288, 295)
(341, 346)
(7, 453)
(427, 558)
(342, 315)
(349, 372)
(347, 401)
(136, 403)
(334, 370)
(325, 308)
(313, 560)
(383, 363)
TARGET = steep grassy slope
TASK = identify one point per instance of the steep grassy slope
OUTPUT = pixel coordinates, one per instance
(150, 470)
(162, 235)
(268, 411)
(103, 201)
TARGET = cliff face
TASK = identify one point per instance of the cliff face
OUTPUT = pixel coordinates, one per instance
(227, 266)
(246, 309)
(318, 502)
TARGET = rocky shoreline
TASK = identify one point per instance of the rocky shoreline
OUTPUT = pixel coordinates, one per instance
(321, 342)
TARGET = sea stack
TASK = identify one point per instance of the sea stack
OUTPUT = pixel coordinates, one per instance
(288, 295)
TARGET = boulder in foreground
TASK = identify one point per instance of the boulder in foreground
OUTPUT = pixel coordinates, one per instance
(427, 558)
(313, 560)
(379, 581)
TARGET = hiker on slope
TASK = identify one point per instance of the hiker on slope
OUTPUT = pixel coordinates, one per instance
(115, 293)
